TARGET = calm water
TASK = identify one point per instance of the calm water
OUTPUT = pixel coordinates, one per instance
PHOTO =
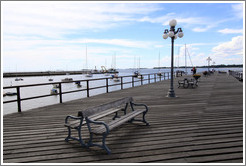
(44, 90)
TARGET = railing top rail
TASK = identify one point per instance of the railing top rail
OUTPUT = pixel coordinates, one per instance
(84, 80)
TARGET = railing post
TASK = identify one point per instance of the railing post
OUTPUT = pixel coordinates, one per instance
(121, 82)
(107, 85)
(18, 99)
(160, 77)
(132, 81)
(168, 75)
(87, 88)
(164, 76)
(60, 92)
(149, 78)
(155, 77)
(141, 79)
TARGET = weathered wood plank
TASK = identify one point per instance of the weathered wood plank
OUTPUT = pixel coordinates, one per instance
(204, 124)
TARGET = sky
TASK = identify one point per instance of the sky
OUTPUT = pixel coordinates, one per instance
(59, 35)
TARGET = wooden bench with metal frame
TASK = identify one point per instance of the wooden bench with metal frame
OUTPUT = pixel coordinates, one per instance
(193, 83)
(95, 127)
(183, 83)
(76, 122)
(186, 83)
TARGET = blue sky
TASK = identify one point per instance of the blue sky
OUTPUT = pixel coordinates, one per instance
(53, 35)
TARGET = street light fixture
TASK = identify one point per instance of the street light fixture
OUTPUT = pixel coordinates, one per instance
(209, 59)
(173, 35)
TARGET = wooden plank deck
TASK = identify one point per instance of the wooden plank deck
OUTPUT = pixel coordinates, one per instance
(204, 124)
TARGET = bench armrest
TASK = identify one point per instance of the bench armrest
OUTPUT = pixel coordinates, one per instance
(144, 105)
(88, 121)
(73, 117)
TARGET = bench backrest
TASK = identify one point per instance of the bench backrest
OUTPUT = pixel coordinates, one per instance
(103, 107)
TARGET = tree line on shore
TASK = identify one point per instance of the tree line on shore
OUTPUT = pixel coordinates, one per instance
(213, 66)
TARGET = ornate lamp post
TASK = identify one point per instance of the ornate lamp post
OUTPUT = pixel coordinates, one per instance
(173, 35)
(209, 59)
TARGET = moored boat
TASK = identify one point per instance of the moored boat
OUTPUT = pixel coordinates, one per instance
(67, 79)
(10, 94)
(19, 79)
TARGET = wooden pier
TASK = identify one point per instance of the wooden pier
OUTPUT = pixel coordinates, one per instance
(204, 124)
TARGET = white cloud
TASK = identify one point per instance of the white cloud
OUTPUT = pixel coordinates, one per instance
(202, 29)
(164, 19)
(229, 49)
(200, 24)
(26, 51)
(230, 31)
(53, 19)
(238, 10)
(122, 42)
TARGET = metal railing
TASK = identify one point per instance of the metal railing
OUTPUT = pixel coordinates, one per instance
(143, 78)
(237, 74)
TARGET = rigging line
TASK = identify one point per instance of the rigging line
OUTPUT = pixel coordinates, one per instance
(190, 58)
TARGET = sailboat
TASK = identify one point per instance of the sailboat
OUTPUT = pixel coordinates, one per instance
(18, 79)
(139, 76)
(136, 72)
(115, 76)
(88, 73)
(185, 59)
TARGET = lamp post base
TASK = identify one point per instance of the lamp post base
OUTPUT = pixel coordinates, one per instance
(171, 93)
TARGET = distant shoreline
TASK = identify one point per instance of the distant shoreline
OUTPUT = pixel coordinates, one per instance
(49, 73)
(52, 73)
(212, 66)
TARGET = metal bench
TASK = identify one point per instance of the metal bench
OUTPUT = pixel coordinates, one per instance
(76, 122)
(188, 83)
(95, 127)
(183, 83)
(192, 83)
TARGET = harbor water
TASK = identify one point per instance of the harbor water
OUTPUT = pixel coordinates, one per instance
(45, 89)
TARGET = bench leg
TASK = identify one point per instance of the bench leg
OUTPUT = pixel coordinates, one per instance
(69, 134)
(73, 138)
(116, 115)
(144, 120)
(186, 86)
(103, 146)
(80, 138)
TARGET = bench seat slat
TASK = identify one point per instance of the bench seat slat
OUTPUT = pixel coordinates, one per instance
(91, 111)
(104, 113)
(75, 123)
(115, 123)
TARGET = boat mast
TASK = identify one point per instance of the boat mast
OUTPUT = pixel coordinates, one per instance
(185, 60)
(86, 64)
(159, 61)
